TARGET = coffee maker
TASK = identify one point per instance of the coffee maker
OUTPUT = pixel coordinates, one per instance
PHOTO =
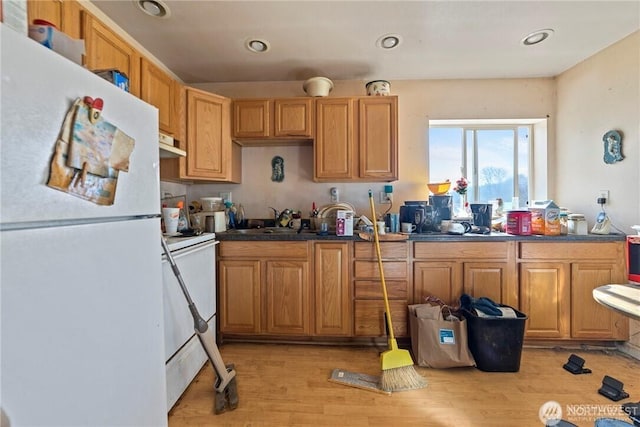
(420, 214)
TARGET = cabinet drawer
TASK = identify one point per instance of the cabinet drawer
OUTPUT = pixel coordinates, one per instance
(370, 318)
(573, 251)
(388, 250)
(460, 250)
(372, 289)
(253, 249)
(370, 270)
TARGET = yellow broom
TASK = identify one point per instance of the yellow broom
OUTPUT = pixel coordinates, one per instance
(398, 372)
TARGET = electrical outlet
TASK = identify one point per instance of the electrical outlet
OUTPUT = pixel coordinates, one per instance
(335, 195)
(384, 198)
(603, 194)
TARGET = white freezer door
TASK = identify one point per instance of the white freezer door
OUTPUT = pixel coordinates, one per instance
(82, 326)
(37, 88)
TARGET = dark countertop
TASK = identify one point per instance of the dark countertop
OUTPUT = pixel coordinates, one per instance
(290, 235)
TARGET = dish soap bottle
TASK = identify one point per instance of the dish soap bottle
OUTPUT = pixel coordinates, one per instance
(183, 225)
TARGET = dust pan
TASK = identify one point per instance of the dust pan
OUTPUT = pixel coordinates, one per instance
(398, 373)
(354, 379)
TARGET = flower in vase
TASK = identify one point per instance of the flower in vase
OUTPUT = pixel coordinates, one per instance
(461, 186)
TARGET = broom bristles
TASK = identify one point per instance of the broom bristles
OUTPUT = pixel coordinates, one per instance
(400, 379)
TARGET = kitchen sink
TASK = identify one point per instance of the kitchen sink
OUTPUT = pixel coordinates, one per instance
(265, 230)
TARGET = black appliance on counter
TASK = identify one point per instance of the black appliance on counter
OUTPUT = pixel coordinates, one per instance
(443, 206)
(420, 214)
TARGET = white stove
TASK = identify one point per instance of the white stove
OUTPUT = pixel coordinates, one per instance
(178, 242)
(196, 259)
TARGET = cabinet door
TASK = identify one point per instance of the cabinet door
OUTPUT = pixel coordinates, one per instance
(442, 279)
(487, 279)
(293, 118)
(239, 308)
(378, 138)
(158, 89)
(333, 147)
(104, 49)
(370, 318)
(49, 10)
(209, 146)
(251, 118)
(589, 319)
(65, 15)
(287, 297)
(544, 297)
(332, 302)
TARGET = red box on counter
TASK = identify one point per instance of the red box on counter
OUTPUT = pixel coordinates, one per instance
(519, 223)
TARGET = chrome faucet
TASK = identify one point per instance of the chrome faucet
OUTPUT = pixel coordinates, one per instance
(276, 215)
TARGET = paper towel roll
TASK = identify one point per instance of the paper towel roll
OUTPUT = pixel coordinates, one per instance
(220, 221)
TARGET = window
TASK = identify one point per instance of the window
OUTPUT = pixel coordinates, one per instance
(495, 159)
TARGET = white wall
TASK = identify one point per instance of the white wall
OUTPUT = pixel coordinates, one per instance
(595, 96)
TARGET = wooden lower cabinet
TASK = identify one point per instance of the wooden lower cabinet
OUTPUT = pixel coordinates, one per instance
(297, 289)
(544, 298)
(286, 289)
(370, 318)
(317, 289)
(332, 303)
(240, 296)
(590, 320)
(480, 269)
(556, 284)
(442, 279)
(369, 315)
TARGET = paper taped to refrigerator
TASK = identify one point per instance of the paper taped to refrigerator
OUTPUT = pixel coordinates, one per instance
(88, 157)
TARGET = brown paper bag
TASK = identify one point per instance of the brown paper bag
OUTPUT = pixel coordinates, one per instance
(436, 342)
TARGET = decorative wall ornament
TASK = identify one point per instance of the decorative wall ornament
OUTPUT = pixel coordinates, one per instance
(612, 147)
(277, 169)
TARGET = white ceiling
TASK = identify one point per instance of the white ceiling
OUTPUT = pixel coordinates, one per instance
(203, 41)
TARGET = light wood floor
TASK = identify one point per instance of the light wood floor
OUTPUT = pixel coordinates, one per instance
(286, 385)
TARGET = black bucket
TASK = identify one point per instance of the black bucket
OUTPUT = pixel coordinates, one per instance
(496, 342)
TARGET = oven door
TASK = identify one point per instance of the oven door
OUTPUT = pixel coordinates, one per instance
(183, 353)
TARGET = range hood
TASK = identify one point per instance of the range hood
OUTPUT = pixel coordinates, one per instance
(167, 150)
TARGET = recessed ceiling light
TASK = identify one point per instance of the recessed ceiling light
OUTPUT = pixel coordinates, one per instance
(537, 37)
(155, 8)
(389, 41)
(257, 45)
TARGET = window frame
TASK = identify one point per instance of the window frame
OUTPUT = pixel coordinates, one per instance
(537, 170)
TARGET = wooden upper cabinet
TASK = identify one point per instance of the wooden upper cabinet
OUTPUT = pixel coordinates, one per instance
(65, 15)
(378, 139)
(281, 119)
(251, 118)
(209, 148)
(356, 139)
(333, 147)
(293, 118)
(204, 132)
(158, 89)
(104, 49)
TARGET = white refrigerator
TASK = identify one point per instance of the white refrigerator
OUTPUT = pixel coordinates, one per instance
(82, 340)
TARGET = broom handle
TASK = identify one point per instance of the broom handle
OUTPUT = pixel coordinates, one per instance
(379, 255)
